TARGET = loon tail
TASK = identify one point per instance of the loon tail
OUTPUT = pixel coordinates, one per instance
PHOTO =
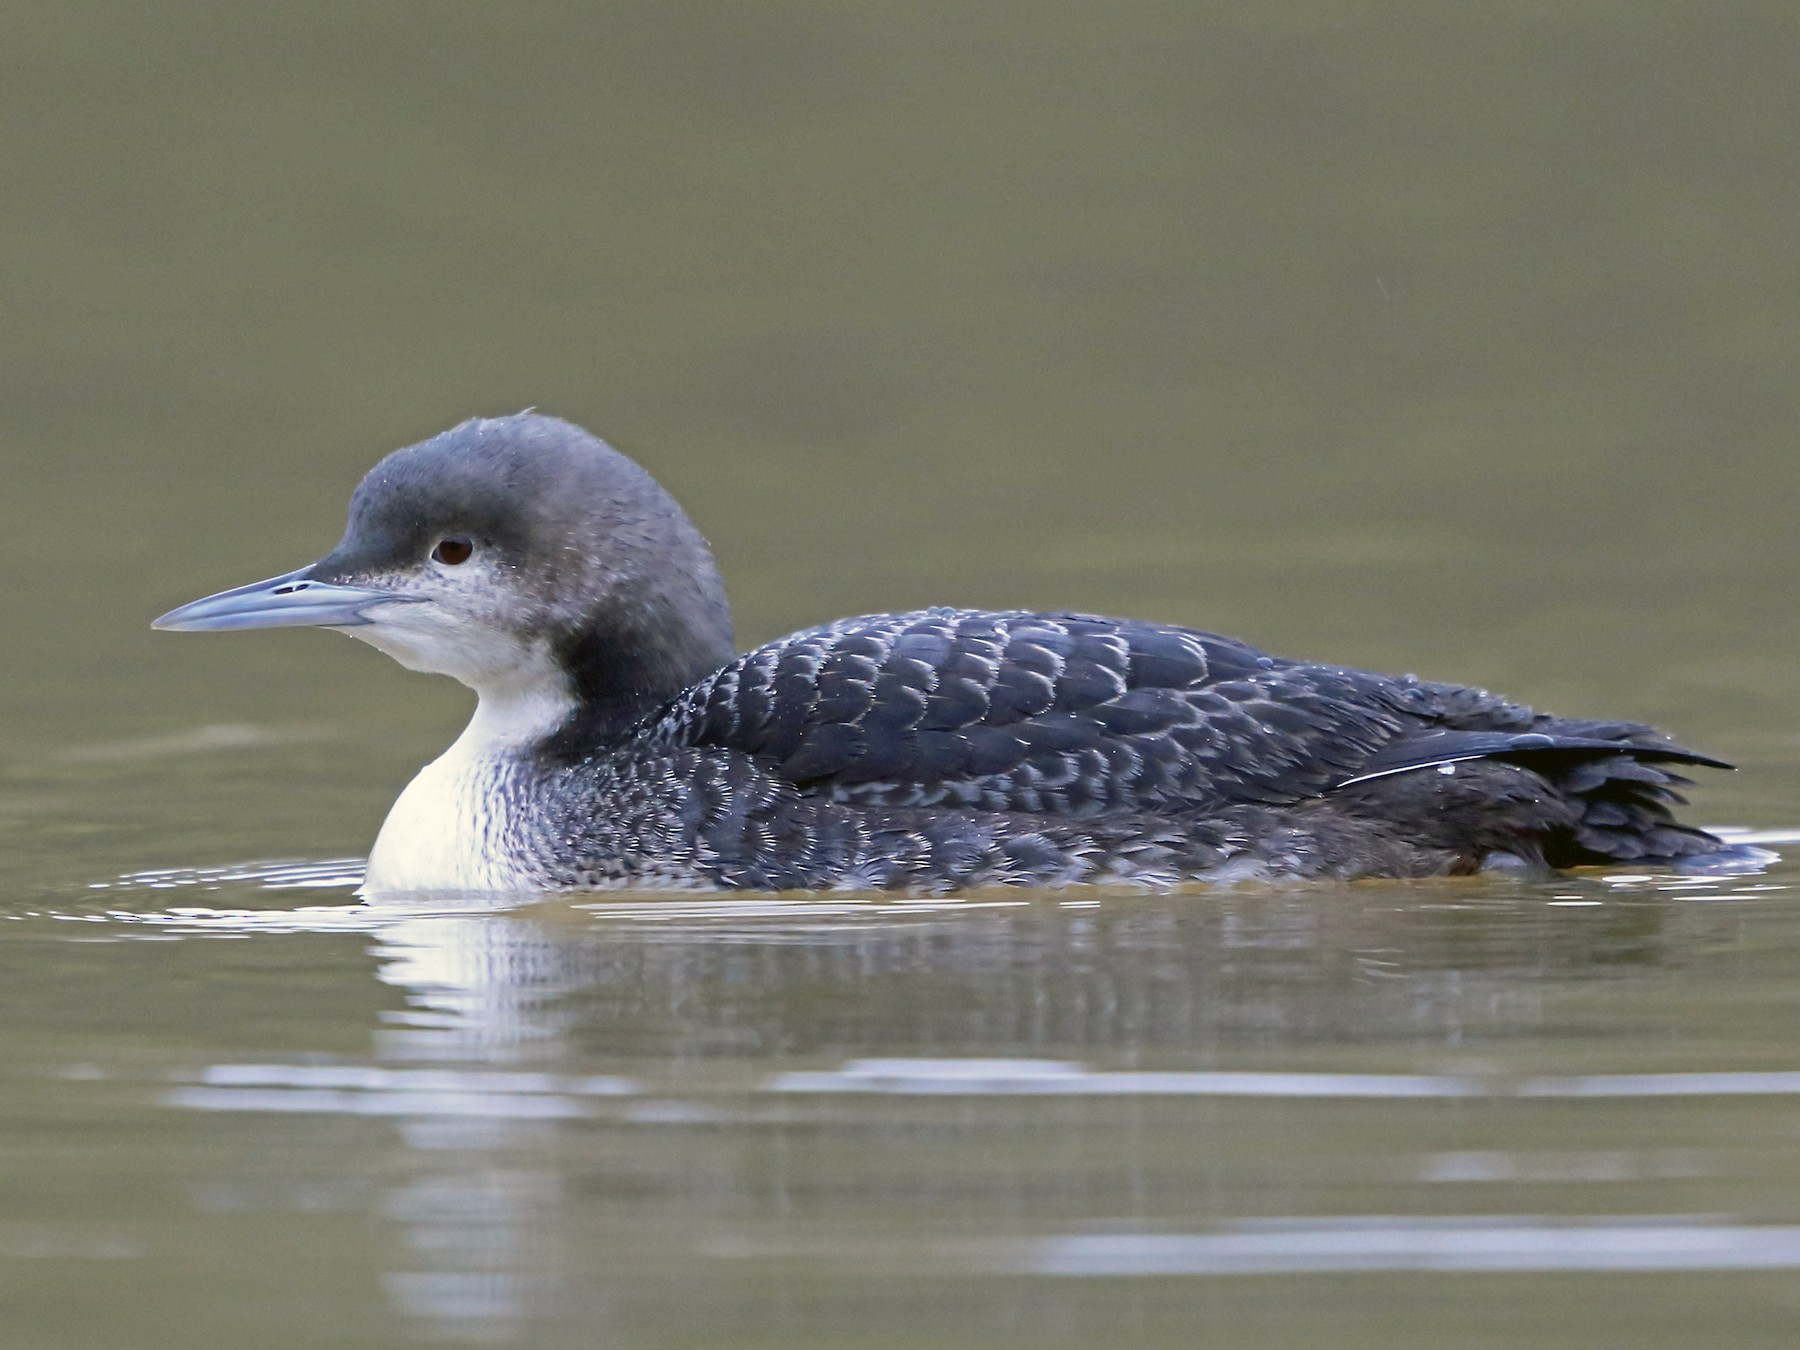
(1613, 778)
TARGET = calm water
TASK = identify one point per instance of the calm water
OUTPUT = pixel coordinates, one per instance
(1453, 342)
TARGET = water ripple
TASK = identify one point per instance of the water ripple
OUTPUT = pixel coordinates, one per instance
(1452, 1243)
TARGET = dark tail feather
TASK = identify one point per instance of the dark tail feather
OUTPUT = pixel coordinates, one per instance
(1611, 775)
(1625, 814)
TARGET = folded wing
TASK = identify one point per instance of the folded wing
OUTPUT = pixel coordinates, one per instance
(1065, 714)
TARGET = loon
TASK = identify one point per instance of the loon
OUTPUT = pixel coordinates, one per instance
(619, 740)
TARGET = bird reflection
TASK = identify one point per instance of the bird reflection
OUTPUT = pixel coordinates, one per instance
(590, 1095)
(689, 1009)
(1130, 977)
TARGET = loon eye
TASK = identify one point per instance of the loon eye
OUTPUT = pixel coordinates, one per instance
(453, 550)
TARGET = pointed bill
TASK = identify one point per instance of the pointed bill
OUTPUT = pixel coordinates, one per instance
(294, 600)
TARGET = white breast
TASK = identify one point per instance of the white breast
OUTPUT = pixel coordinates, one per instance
(455, 826)
(447, 832)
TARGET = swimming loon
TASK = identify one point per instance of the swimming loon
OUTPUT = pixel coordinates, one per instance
(619, 740)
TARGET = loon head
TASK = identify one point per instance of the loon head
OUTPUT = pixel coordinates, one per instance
(520, 555)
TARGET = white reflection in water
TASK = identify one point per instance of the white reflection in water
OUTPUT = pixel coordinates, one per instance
(1479, 1165)
(410, 1080)
(320, 1101)
(479, 1219)
(1054, 1078)
(386, 1092)
(1387, 1243)
(368, 1091)
(279, 875)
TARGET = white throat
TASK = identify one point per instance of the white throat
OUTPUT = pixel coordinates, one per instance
(452, 828)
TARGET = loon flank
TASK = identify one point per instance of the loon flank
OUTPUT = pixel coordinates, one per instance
(619, 740)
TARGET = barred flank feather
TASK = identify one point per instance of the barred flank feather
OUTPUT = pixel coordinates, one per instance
(951, 748)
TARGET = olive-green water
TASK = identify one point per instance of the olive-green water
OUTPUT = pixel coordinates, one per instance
(1456, 339)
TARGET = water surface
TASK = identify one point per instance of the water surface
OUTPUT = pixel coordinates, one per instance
(1539, 1113)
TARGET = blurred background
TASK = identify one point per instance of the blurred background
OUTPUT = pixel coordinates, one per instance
(1452, 339)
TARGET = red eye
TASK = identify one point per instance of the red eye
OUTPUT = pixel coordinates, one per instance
(454, 550)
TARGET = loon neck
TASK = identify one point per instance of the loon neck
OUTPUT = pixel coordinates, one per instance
(515, 715)
(623, 671)
(546, 714)
(465, 821)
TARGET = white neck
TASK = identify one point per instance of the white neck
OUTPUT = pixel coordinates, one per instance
(450, 828)
(513, 714)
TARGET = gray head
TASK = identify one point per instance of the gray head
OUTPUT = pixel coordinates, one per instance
(520, 555)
